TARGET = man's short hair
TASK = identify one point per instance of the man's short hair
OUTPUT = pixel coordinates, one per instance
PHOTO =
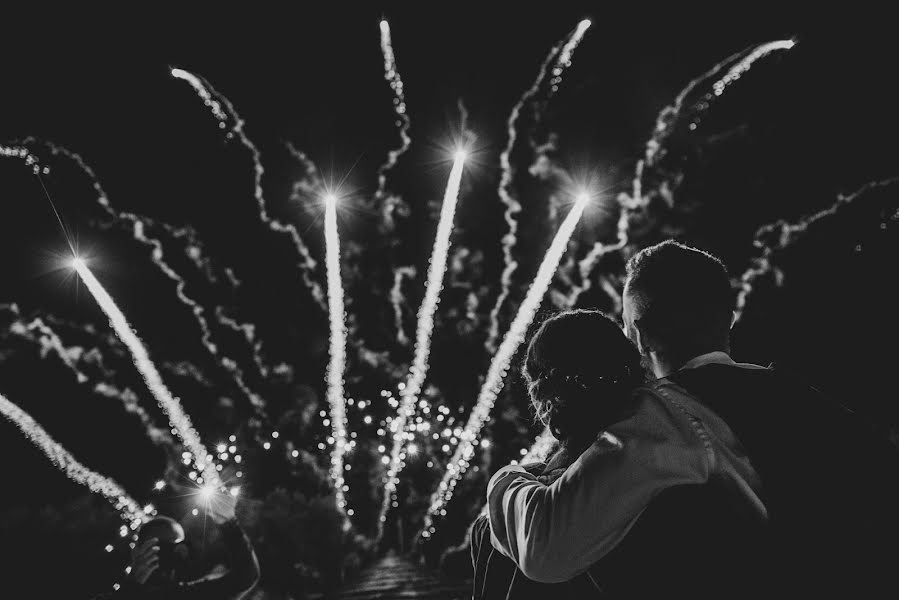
(682, 297)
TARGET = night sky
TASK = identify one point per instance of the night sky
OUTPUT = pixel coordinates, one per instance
(821, 122)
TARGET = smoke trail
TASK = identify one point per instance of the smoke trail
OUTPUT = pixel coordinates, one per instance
(392, 75)
(424, 329)
(71, 468)
(195, 252)
(586, 266)
(499, 365)
(30, 159)
(230, 366)
(50, 342)
(397, 298)
(309, 184)
(222, 108)
(783, 235)
(689, 114)
(337, 362)
(248, 332)
(562, 53)
(169, 404)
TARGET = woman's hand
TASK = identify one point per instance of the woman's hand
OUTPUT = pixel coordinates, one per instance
(144, 561)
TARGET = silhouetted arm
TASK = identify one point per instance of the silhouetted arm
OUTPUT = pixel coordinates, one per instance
(243, 571)
(555, 532)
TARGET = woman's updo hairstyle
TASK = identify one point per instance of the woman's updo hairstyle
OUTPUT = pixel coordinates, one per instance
(580, 370)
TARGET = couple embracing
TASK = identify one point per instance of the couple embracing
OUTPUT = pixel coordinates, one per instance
(680, 472)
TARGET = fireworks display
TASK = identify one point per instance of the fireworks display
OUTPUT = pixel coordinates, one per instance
(129, 508)
(499, 366)
(555, 64)
(359, 422)
(222, 109)
(337, 350)
(181, 424)
(425, 328)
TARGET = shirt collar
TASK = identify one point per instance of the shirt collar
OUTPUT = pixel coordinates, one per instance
(717, 357)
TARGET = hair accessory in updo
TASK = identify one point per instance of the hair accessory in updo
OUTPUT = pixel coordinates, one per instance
(580, 369)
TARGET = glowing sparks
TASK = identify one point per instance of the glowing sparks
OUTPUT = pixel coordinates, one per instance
(562, 53)
(425, 326)
(397, 299)
(736, 65)
(337, 358)
(207, 493)
(392, 75)
(74, 470)
(214, 105)
(541, 448)
(49, 341)
(168, 403)
(25, 154)
(564, 59)
(220, 106)
(139, 231)
(499, 366)
(744, 65)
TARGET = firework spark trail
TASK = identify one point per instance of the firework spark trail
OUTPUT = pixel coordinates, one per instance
(398, 300)
(587, 264)
(337, 361)
(309, 184)
(169, 404)
(744, 65)
(38, 331)
(49, 340)
(736, 64)
(193, 244)
(139, 226)
(206, 339)
(392, 75)
(70, 467)
(499, 365)
(541, 448)
(784, 235)
(248, 331)
(562, 54)
(222, 108)
(25, 154)
(424, 329)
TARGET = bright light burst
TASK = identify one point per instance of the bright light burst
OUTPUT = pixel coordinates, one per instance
(70, 467)
(499, 366)
(562, 53)
(425, 327)
(337, 349)
(181, 423)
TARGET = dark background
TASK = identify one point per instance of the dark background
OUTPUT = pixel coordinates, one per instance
(804, 127)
